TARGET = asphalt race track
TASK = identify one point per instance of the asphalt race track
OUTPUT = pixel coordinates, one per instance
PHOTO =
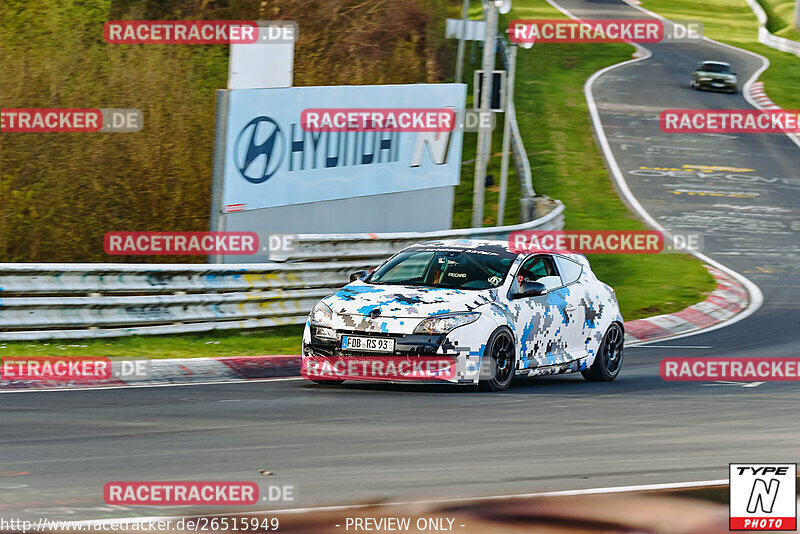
(346, 444)
(349, 444)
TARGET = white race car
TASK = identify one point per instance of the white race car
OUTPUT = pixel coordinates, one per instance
(480, 311)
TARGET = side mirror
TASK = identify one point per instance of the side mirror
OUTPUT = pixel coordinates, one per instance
(358, 275)
(530, 289)
(733, 73)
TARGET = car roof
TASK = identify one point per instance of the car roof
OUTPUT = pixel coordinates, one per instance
(711, 61)
(487, 244)
(467, 244)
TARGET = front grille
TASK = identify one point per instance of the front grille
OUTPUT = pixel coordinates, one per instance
(405, 344)
(361, 333)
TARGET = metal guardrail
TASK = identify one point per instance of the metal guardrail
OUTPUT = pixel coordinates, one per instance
(766, 37)
(74, 301)
(522, 166)
(380, 246)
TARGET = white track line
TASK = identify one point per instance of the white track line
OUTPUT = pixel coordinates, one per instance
(756, 297)
(211, 383)
(563, 493)
(674, 346)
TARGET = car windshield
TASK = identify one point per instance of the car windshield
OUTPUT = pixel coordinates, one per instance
(453, 268)
(716, 67)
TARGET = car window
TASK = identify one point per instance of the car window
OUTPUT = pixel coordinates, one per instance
(413, 267)
(454, 268)
(569, 270)
(539, 269)
(715, 67)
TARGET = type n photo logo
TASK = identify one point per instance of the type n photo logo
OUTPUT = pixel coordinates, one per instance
(763, 497)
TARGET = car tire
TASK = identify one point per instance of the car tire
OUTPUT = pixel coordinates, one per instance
(497, 364)
(608, 362)
(327, 382)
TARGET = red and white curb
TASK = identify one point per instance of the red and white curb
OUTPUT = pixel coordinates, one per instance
(728, 299)
(760, 97)
(183, 371)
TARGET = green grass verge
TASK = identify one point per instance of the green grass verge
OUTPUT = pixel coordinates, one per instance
(278, 340)
(567, 165)
(780, 18)
(732, 22)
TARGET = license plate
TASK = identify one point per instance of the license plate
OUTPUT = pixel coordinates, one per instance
(717, 85)
(370, 344)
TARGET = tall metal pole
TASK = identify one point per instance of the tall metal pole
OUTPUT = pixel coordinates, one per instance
(797, 15)
(484, 134)
(512, 67)
(460, 57)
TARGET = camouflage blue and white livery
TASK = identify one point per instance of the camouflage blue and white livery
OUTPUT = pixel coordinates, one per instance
(497, 313)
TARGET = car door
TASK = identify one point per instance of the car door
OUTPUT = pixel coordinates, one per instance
(572, 290)
(548, 325)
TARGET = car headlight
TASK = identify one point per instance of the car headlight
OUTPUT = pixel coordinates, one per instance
(321, 315)
(443, 324)
(321, 319)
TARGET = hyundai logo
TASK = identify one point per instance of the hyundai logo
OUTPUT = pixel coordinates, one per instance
(375, 313)
(259, 150)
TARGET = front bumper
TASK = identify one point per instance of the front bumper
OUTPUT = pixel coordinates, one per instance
(412, 351)
(717, 85)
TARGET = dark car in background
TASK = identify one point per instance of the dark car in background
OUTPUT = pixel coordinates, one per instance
(714, 75)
